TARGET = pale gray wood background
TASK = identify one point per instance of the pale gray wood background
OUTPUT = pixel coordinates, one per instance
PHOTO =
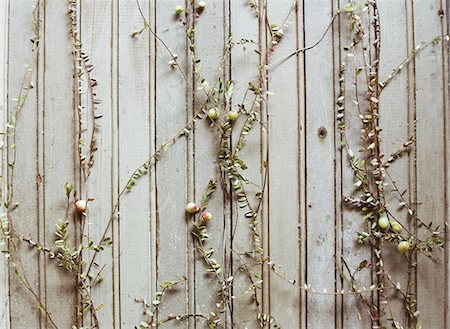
(305, 226)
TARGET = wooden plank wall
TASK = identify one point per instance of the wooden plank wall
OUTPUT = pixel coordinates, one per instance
(305, 228)
(4, 13)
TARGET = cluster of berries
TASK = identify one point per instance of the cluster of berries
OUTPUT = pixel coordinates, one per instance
(193, 208)
(201, 5)
(384, 223)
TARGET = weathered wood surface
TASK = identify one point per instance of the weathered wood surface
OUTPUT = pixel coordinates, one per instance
(4, 13)
(305, 228)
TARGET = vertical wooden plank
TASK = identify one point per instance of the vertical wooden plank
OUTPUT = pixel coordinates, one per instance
(264, 110)
(354, 313)
(320, 164)
(283, 184)
(152, 190)
(244, 68)
(412, 116)
(210, 38)
(4, 28)
(115, 231)
(60, 152)
(447, 162)
(302, 163)
(23, 306)
(134, 145)
(190, 169)
(40, 186)
(340, 161)
(135, 252)
(170, 115)
(430, 110)
(96, 37)
(394, 120)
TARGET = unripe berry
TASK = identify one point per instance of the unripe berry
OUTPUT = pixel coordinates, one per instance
(403, 247)
(395, 227)
(178, 10)
(383, 222)
(206, 216)
(212, 114)
(233, 115)
(81, 206)
(201, 5)
(279, 33)
(192, 208)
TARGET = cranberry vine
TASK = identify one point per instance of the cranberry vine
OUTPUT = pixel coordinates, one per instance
(382, 229)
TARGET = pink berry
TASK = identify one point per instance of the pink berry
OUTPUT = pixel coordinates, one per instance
(81, 206)
(206, 216)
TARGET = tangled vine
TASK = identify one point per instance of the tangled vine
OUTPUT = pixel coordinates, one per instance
(370, 167)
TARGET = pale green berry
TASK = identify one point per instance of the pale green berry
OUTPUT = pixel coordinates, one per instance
(383, 222)
(233, 115)
(192, 208)
(178, 10)
(395, 227)
(279, 33)
(212, 114)
(403, 247)
(201, 5)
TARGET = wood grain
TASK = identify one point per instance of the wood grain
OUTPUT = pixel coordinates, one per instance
(320, 166)
(353, 313)
(305, 228)
(430, 161)
(4, 20)
(96, 36)
(172, 113)
(59, 154)
(394, 118)
(244, 68)
(283, 183)
(135, 258)
(211, 34)
(26, 130)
